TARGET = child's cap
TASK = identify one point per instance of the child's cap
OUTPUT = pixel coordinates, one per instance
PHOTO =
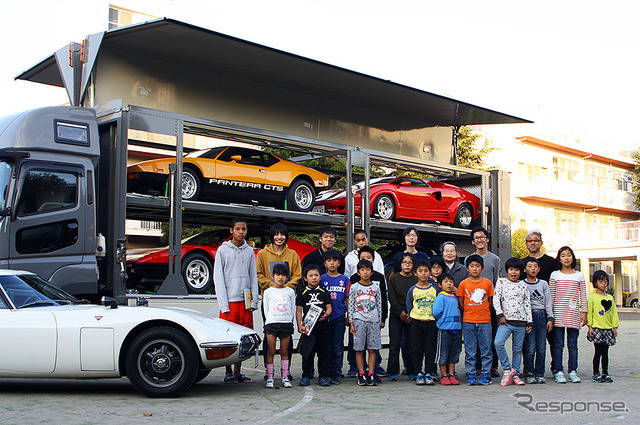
(514, 262)
(444, 276)
(362, 264)
(474, 257)
(331, 254)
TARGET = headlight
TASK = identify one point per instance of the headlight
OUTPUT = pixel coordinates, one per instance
(248, 345)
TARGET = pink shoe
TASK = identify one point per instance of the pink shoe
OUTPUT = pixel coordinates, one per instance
(517, 380)
(507, 377)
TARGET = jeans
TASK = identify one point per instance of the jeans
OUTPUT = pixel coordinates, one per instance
(477, 335)
(535, 345)
(336, 345)
(396, 328)
(503, 333)
(558, 348)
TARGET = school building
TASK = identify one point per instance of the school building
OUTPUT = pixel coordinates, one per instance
(577, 197)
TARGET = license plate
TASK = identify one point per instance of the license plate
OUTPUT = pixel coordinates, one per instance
(318, 209)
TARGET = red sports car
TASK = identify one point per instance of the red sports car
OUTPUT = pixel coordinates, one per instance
(150, 267)
(409, 199)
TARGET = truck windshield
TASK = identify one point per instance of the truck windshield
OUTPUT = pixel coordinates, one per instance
(5, 178)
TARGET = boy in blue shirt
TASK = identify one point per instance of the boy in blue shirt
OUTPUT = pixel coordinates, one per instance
(446, 310)
(338, 287)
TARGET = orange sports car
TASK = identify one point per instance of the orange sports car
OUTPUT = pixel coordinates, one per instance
(231, 173)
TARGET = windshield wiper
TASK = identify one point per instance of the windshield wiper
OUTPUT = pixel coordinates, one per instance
(39, 302)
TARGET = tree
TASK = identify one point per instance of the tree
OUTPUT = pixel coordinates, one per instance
(468, 152)
(518, 245)
(636, 180)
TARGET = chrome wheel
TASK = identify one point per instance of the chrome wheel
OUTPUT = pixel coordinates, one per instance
(385, 207)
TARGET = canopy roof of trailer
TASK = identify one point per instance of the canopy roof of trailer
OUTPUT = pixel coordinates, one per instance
(184, 43)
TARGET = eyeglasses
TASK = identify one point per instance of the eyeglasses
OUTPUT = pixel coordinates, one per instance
(533, 240)
(479, 238)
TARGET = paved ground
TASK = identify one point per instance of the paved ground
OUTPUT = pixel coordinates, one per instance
(212, 402)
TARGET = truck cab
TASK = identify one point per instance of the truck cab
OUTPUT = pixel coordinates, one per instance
(48, 160)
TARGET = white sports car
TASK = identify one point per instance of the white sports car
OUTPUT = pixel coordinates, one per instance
(47, 333)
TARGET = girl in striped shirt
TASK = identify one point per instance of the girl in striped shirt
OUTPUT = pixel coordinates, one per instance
(569, 297)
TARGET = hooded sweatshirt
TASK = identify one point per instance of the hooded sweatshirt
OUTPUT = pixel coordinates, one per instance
(267, 258)
(234, 271)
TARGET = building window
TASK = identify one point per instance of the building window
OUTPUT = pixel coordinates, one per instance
(568, 223)
(623, 181)
(567, 169)
(120, 17)
(532, 173)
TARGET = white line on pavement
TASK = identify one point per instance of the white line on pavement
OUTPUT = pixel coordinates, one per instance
(308, 396)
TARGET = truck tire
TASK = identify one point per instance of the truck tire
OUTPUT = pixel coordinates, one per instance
(190, 185)
(301, 196)
(162, 362)
(197, 272)
(464, 216)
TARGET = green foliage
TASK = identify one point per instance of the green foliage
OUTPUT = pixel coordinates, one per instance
(636, 180)
(470, 154)
(518, 245)
(186, 231)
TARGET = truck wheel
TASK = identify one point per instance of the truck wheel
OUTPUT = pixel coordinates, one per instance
(464, 217)
(162, 362)
(301, 196)
(197, 272)
(190, 185)
(385, 208)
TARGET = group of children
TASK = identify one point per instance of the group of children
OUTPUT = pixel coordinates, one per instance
(434, 317)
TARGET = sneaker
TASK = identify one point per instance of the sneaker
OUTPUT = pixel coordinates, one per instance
(412, 377)
(540, 380)
(353, 373)
(507, 377)
(471, 379)
(517, 380)
(495, 373)
(453, 380)
(531, 380)
(336, 380)
(270, 383)
(323, 381)
(559, 377)
(606, 379)
(428, 380)
(377, 379)
(485, 379)
(393, 378)
(435, 377)
(362, 380)
(304, 382)
(445, 381)
(573, 377)
(596, 377)
(286, 383)
(420, 379)
(371, 380)
(290, 377)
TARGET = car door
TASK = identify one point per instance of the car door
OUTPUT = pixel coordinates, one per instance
(241, 173)
(28, 340)
(413, 196)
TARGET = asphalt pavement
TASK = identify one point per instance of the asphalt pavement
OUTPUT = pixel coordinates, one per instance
(213, 402)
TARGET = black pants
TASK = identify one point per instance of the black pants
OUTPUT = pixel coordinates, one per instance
(396, 328)
(321, 349)
(602, 352)
(424, 335)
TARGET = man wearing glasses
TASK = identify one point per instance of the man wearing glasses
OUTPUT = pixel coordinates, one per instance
(547, 263)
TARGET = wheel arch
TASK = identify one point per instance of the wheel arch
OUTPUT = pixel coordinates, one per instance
(305, 177)
(133, 333)
(199, 251)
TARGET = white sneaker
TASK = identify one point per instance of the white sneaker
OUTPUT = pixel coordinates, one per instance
(560, 379)
(269, 383)
(286, 383)
(573, 377)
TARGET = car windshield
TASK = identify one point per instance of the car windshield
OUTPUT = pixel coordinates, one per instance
(31, 291)
(208, 238)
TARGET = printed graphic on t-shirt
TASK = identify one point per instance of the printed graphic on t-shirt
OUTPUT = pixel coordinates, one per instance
(281, 308)
(537, 296)
(478, 296)
(365, 299)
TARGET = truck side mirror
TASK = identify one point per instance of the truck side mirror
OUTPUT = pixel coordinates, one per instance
(5, 212)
